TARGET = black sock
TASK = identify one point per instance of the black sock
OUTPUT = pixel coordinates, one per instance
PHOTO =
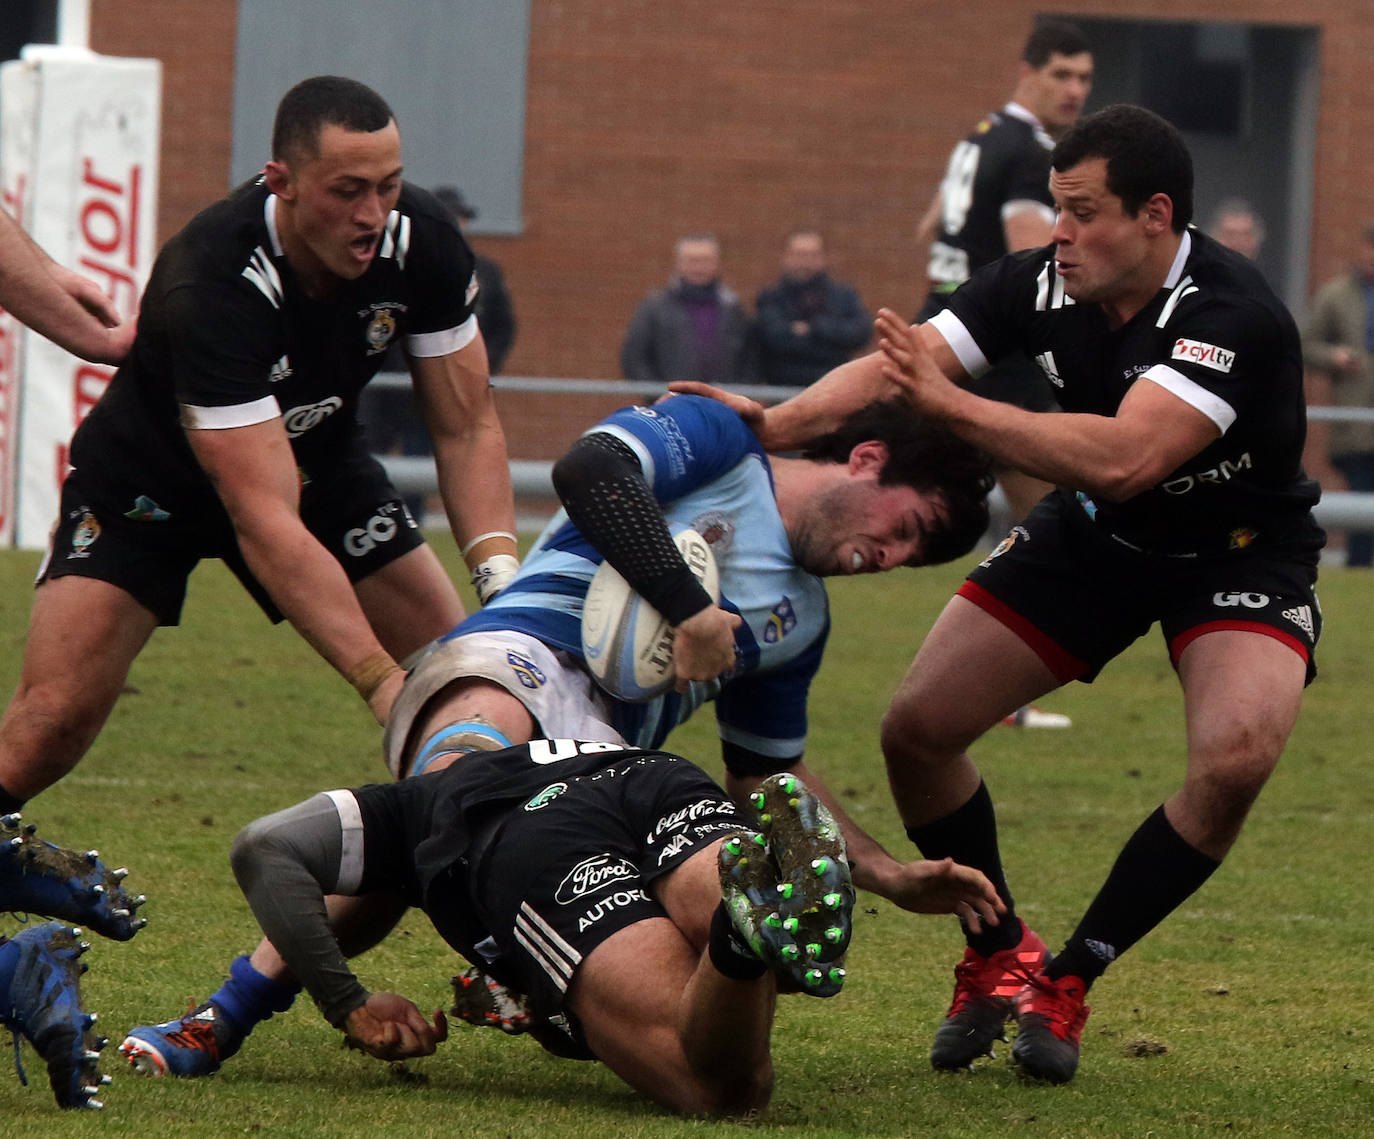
(1155, 873)
(8, 803)
(969, 836)
(729, 954)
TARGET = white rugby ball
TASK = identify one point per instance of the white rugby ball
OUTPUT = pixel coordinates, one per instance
(626, 642)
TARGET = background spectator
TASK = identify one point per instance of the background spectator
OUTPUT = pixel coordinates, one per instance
(807, 322)
(695, 329)
(1237, 226)
(1338, 349)
(495, 312)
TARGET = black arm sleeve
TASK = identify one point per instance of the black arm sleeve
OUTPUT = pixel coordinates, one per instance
(285, 864)
(608, 499)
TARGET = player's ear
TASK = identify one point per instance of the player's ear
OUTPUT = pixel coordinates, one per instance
(869, 457)
(279, 180)
(1159, 214)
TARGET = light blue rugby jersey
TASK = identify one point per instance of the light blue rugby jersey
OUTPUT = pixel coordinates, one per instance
(709, 472)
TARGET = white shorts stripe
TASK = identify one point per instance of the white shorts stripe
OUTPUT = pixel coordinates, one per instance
(351, 824)
(554, 955)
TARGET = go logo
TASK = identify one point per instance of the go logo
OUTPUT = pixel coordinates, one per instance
(1249, 600)
(363, 540)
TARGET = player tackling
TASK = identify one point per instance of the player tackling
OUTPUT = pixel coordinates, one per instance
(1181, 499)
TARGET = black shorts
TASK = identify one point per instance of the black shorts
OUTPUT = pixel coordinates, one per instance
(1079, 598)
(538, 887)
(353, 510)
(576, 864)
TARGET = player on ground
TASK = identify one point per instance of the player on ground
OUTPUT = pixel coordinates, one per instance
(632, 902)
(514, 672)
(1181, 500)
(230, 433)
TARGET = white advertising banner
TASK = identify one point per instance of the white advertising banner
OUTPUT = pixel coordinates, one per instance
(79, 138)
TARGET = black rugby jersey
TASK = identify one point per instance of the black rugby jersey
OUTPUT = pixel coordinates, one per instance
(1218, 338)
(226, 328)
(1005, 159)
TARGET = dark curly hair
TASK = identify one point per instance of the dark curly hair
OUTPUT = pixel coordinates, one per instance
(925, 455)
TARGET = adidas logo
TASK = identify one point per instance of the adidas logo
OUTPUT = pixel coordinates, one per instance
(1301, 616)
(1102, 950)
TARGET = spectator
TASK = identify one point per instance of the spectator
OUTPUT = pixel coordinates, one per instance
(695, 329)
(1338, 349)
(1237, 226)
(807, 323)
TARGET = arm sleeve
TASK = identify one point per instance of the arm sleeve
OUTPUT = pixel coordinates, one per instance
(607, 497)
(285, 865)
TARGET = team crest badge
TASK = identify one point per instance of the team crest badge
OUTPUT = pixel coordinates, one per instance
(526, 671)
(380, 330)
(1241, 537)
(1006, 544)
(718, 528)
(84, 536)
(546, 796)
(781, 621)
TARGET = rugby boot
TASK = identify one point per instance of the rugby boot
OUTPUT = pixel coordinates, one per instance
(43, 1004)
(479, 1000)
(788, 889)
(1049, 1026)
(40, 878)
(984, 988)
(193, 1045)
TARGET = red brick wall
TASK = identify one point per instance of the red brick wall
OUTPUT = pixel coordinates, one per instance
(646, 120)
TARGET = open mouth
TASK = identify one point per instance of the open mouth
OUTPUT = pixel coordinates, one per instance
(364, 247)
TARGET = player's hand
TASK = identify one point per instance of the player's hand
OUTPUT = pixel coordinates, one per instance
(704, 646)
(390, 1027)
(750, 410)
(944, 887)
(908, 365)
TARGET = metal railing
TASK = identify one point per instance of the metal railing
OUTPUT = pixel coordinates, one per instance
(1341, 510)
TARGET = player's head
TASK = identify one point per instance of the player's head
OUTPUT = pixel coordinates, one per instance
(696, 258)
(912, 493)
(1144, 154)
(336, 169)
(1056, 74)
(1122, 182)
(803, 255)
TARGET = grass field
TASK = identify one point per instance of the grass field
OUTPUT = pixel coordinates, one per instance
(1247, 1013)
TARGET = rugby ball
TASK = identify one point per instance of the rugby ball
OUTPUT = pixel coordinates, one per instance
(626, 642)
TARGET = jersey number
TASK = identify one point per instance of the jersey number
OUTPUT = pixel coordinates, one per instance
(956, 191)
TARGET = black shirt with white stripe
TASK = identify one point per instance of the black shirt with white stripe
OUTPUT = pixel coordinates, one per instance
(228, 337)
(1215, 336)
(1005, 159)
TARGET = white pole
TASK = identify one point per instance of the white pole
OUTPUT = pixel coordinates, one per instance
(74, 23)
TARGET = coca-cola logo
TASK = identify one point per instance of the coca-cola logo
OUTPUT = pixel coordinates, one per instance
(701, 809)
(593, 874)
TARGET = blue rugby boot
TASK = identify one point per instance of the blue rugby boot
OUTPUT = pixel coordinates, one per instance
(41, 1001)
(40, 878)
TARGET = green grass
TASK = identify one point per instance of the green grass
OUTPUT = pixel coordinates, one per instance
(1245, 1014)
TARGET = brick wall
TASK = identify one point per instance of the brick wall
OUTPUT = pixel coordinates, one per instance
(646, 120)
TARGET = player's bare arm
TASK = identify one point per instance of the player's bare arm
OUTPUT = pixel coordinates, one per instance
(254, 474)
(64, 306)
(455, 397)
(1116, 457)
